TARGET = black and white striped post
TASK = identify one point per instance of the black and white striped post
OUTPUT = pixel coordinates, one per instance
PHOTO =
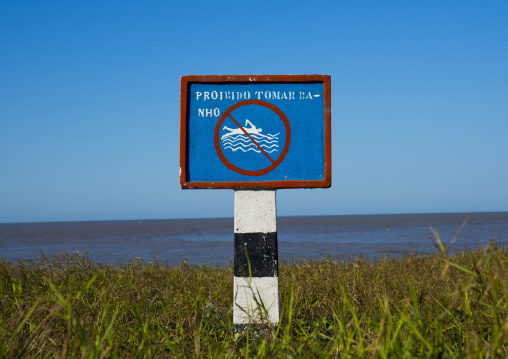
(256, 277)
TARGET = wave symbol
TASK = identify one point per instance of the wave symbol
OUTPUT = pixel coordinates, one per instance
(236, 139)
(245, 144)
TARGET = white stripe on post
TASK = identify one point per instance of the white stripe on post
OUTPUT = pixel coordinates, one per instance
(256, 286)
(255, 212)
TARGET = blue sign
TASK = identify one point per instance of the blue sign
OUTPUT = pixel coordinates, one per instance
(255, 131)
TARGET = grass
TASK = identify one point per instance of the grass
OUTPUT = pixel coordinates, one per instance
(433, 306)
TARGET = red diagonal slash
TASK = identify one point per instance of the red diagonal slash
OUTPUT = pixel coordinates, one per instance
(253, 140)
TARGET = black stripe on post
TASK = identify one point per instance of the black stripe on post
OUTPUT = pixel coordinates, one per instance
(260, 249)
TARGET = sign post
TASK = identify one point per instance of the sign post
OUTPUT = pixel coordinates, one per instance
(256, 270)
(255, 134)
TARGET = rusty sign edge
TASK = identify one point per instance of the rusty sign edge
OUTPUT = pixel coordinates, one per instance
(282, 184)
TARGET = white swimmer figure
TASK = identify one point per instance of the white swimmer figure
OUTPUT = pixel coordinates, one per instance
(252, 130)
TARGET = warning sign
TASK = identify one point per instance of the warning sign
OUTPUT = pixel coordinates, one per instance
(255, 131)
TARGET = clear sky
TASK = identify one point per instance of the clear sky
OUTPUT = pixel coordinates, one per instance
(89, 102)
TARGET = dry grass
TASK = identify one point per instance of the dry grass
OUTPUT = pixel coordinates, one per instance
(434, 306)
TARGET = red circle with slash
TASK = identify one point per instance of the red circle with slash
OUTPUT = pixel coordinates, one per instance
(276, 162)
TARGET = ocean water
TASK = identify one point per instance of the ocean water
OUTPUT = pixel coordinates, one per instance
(210, 241)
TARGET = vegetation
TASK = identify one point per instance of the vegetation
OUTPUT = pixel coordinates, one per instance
(434, 306)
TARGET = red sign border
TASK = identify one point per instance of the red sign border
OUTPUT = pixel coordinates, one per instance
(268, 105)
(184, 104)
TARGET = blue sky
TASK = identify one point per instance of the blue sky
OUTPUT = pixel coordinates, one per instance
(89, 102)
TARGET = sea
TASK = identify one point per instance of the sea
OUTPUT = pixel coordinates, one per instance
(210, 241)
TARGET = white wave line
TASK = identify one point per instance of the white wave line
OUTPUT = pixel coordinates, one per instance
(267, 146)
(248, 149)
(249, 144)
(244, 137)
(265, 140)
(268, 135)
(256, 136)
(247, 141)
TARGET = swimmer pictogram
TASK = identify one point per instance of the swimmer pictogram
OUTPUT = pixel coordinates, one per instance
(249, 138)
